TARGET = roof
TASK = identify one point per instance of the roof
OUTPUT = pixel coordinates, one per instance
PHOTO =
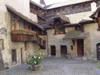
(73, 19)
(50, 20)
(75, 35)
(94, 15)
(63, 19)
(36, 4)
(87, 18)
(65, 3)
(78, 17)
(70, 25)
(23, 17)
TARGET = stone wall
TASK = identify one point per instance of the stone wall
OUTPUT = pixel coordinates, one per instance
(5, 34)
(57, 41)
(92, 40)
(21, 6)
(1, 60)
(33, 17)
(66, 10)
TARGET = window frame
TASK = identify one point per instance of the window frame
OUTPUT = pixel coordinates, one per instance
(58, 22)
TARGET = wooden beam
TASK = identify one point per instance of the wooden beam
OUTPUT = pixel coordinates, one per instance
(11, 21)
(14, 23)
(81, 27)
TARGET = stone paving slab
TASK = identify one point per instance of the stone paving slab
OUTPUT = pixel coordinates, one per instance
(58, 66)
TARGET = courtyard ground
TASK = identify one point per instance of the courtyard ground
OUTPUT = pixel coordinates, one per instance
(57, 66)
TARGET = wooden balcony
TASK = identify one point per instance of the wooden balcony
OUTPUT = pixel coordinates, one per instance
(40, 41)
(23, 37)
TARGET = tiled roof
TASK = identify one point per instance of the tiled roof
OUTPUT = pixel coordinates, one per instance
(87, 17)
(73, 18)
(50, 20)
(75, 35)
(76, 18)
(65, 3)
(60, 4)
(63, 18)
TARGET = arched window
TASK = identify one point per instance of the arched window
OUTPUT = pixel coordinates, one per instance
(57, 25)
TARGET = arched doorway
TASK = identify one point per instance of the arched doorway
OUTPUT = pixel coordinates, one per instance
(98, 51)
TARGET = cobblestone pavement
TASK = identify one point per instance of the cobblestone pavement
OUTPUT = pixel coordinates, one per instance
(57, 66)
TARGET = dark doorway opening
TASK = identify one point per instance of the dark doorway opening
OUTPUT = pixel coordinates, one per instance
(14, 59)
(63, 50)
(21, 50)
(98, 51)
(1, 63)
(80, 47)
(53, 51)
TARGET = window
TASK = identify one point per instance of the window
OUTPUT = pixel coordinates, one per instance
(78, 28)
(98, 21)
(14, 21)
(14, 59)
(2, 44)
(71, 47)
(58, 29)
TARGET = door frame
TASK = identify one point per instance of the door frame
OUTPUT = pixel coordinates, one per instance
(15, 59)
(82, 47)
(51, 50)
(61, 49)
(21, 50)
(97, 52)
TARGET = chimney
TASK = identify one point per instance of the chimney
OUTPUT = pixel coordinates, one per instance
(93, 6)
(42, 2)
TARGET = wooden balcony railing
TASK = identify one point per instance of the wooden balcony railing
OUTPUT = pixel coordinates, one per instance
(40, 41)
(22, 37)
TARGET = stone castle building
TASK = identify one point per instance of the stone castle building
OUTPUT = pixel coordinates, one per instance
(67, 27)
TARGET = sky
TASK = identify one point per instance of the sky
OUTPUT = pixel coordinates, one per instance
(49, 1)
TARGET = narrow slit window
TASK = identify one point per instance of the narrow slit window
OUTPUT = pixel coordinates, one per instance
(2, 44)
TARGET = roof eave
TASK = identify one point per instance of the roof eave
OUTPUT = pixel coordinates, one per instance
(22, 16)
(36, 4)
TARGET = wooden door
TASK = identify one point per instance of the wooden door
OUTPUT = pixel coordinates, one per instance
(63, 50)
(14, 59)
(80, 47)
(98, 51)
(21, 55)
(53, 50)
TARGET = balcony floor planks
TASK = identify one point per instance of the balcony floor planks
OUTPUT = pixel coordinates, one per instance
(27, 38)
